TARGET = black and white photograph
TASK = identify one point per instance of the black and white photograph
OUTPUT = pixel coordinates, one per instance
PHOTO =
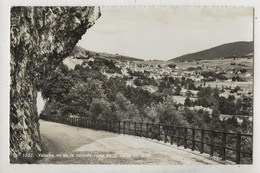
(131, 85)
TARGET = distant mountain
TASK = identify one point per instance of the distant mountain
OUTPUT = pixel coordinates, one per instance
(81, 53)
(236, 49)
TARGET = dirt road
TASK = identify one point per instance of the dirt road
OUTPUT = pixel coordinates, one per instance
(73, 145)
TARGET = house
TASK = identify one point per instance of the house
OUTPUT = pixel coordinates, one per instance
(91, 60)
(183, 92)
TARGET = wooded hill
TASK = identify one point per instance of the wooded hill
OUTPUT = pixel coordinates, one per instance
(229, 50)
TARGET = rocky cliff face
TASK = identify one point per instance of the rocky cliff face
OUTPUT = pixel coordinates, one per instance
(41, 37)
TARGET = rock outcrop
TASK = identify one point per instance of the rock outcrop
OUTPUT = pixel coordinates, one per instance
(41, 37)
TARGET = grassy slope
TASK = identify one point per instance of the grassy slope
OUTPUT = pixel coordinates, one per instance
(81, 53)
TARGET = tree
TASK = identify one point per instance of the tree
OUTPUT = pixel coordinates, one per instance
(172, 65)
(178, 90)
(187, 102)
(100, 108)
(168, 114)
(189, 93)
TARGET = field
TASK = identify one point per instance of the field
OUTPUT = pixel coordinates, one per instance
(243, 85)
(181, 99)
(225, 63)
(155, 62)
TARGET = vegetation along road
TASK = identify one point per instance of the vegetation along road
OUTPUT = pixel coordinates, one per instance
(73, 145)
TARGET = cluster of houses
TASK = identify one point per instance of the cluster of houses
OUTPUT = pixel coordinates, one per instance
(157, 71)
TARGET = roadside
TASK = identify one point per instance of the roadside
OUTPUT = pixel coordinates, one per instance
(73, 145)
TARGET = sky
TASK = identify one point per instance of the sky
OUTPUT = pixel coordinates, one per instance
(166, 32)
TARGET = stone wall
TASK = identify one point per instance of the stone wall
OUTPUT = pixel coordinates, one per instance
(41, 37)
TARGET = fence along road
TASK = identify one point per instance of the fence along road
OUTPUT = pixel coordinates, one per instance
(100, 147)
(226, 145)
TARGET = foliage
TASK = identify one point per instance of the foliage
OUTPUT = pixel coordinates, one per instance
(84, 91)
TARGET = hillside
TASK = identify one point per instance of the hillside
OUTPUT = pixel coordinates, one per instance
(236, 49)
(81, 53)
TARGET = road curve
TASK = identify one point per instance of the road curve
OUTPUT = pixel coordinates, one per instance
(66, 144)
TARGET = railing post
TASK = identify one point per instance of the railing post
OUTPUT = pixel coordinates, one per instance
(129, 127)
(152, 130)
(211, 143)
(159, 132)
(193, 139)
(238, 148)
(165, 133)
(171, 135)
(178, 138)
(124, 127)
(113, 126)
(135, 127)
(146, 129)
(185, 137)
(81, 122)
(119, 127)
(202, 141)
(141, 129)
(224, 146)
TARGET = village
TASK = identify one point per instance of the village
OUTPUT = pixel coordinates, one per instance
(232, 77)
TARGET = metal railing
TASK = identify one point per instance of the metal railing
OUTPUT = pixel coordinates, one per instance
(228, 146)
